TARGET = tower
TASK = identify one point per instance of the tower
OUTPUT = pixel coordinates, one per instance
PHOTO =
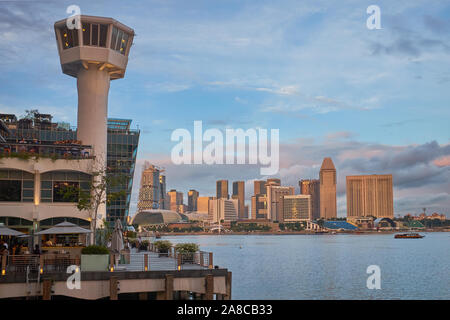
(328, 206)
(95, 51)
(239, 193)
(222, 189)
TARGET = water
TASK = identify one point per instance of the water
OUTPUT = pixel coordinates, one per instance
(331, 266)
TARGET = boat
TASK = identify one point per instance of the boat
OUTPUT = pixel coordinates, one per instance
(408, 236)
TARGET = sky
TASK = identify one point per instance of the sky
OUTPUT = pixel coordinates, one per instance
(375, 101)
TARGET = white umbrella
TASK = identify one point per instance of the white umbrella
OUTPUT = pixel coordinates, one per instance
(4, 231)
(64, 228)
(117, 237)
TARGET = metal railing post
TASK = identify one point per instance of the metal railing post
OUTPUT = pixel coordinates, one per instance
(145, 262)
(210, 266)
(3, 265)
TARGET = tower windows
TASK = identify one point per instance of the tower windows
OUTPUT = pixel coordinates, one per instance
(95, 34)
(69, 38)
(119, 40)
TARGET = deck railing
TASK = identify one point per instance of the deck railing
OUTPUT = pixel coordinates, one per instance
(151, 260)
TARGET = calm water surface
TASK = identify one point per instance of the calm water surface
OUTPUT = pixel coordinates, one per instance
(331, 266)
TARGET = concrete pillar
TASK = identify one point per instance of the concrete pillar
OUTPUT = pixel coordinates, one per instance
(93, 88)
(228, 286)
(47, 289)
(209, 287)
(169, 287)
(113, 291)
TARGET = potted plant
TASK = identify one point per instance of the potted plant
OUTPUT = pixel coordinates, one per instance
(144, 245)
(163, 247)
(94, 258)
(187, 251)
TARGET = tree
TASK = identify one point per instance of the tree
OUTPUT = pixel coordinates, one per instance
(99, 193)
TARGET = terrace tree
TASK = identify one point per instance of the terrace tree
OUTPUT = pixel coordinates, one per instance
(100, 193)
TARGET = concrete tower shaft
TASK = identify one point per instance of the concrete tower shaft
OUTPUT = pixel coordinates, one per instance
(93, 88)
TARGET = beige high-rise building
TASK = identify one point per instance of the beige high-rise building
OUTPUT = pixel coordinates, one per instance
(370, 195)
(259, 187)
(175, 200)
(222, 189)
(150, 191)
(192, 200)
(275, 201)
(328, 203)
(312, 187)
(203, 204)
(222, 209)
(239, 194)
(297, 208)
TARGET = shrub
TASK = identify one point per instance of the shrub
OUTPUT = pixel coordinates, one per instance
(186, 247)
(163, 245)
(94, 250)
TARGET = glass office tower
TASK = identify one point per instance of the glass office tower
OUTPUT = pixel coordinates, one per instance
(121, 160)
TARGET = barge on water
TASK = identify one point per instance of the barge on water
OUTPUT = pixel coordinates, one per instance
(408, 236)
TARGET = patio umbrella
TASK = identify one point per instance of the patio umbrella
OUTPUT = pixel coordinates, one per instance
(117, 237)
(64, 228)
(4, 231)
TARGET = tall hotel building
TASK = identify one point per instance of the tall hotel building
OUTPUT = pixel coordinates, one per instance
(370, 195)
(312, 187)
(192, 200)
(222, 189)
(222, 209)
(150, 191)
(297, 208)
(259, 200)
(175, 201)
(328, 203)
(239, 194)
(275, 194)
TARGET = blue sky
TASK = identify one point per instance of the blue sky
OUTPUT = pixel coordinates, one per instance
(376, 101)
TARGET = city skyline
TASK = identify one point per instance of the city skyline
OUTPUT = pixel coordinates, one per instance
(343, 117)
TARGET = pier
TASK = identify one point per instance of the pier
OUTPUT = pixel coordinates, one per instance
(143, 275)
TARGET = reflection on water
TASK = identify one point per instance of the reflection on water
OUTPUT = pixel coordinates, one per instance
(331, 266)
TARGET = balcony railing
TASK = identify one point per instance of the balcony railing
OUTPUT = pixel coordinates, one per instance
(65, 150)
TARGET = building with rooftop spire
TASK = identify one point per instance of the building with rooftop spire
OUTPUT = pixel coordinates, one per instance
(328, 203)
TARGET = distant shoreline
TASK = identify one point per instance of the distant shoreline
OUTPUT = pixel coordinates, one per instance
(295, 233)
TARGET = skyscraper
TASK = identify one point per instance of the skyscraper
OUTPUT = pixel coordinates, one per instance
(222, 189)
(312, 187)
(192, 200)
(239, 194)
(175, 200)
(150, 191)
(163, 194)
(297, 208)
(223, 210)
(259, 187)
(275, 195)
(121, 160)
(370, 195)
(328, 205)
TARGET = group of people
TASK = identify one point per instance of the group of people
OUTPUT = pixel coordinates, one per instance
(16, 249)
